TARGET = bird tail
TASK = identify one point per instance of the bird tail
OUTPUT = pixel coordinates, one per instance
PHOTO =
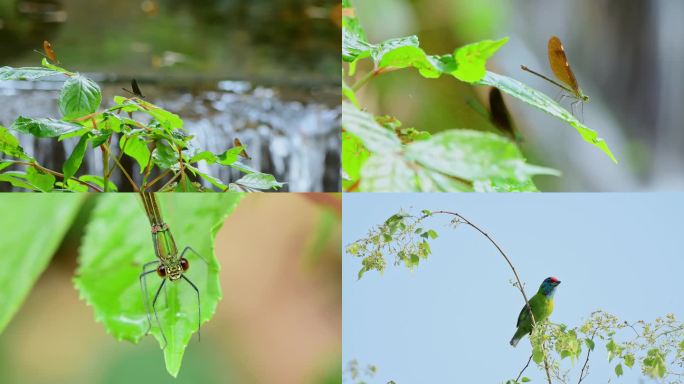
(516, 338)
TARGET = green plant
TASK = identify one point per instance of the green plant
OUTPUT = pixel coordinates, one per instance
(377, 156)
(656, 347)
(115, 245)
(154, 139)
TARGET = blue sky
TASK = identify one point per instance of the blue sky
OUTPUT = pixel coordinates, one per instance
(450, 320)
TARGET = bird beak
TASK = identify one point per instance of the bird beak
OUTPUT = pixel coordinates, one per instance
(557, 282)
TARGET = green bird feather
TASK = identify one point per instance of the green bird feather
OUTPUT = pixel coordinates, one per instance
(542, 306)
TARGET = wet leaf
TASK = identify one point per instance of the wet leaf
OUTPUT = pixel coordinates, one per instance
(26, 73)
(80, 96)
(43, 128)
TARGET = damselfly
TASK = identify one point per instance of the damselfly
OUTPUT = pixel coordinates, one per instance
(170, 265)
(560, 66)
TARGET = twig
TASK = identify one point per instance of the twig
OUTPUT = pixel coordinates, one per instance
(123, 170)
(156, 179)
(517, 278)
(46, 170)
(170, 181)
(586, 362)
(524, 368)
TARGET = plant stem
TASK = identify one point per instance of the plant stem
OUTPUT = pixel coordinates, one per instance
(363, 80)
(156, 179)
(135, 187)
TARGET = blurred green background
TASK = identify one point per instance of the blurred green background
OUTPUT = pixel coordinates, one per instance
(285, 40)
(279, 320)
(624, 57)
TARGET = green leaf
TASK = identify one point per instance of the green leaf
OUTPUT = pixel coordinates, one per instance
(207, 156)
(472, 58)
(230, 156)
(405, 52)
(100, 139)
(135, 147)
(654, 364)
(535, 98)
(26, 73)
(80, 96)
(73, 163)
(17, 179)
(30, 247)
(354, 155)
(349, 94)
(629, 360)
(372, 135)
(525, 380)
(261, 181)
(72, 185)
(362, 271)
(43, 181)
(165, 118)
(45, 63)
(537, 354)
(43, 128)
(99, 181)
(590, 344)
(117, 244)
(355, 45)
(618, 370)
(9, 145)
(164, 155)
(78, 133)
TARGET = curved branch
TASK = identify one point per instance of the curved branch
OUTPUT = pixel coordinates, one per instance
(515, 273)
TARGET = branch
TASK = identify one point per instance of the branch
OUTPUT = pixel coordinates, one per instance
(123, 170)
(584, 372)
(524, 368)
(46, 170)
(515, 273)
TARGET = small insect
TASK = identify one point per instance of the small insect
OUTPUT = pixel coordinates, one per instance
(561, 68)
(500, 116)
(169, 264)
(48, 52)
(135, 89)
(243, 153)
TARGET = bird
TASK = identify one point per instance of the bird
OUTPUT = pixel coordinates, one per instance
(542, 306)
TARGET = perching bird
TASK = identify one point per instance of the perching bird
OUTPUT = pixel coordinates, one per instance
(542, 306)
